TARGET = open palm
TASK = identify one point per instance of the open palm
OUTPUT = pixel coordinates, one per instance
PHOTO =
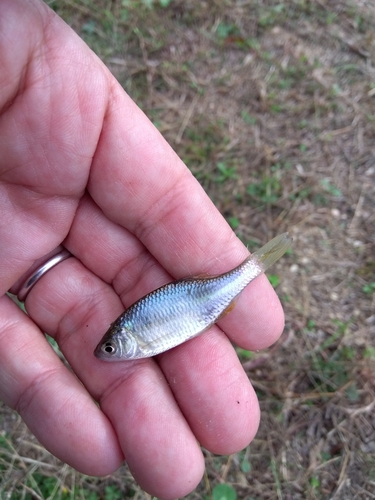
(82, 165)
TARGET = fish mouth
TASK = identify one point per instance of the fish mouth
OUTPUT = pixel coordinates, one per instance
(98, 353)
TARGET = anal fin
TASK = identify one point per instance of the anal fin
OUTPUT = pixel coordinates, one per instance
(227, 310)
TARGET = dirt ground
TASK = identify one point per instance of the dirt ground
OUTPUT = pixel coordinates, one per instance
(272, 106)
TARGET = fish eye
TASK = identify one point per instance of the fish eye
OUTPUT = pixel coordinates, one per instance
(109, 348)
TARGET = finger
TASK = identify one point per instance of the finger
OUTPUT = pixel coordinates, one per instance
(49, 398)
(76, 307)
(213, 392)
(150, 192)
(207, 365)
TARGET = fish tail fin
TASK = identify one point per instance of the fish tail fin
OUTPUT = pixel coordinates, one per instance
(273, 250)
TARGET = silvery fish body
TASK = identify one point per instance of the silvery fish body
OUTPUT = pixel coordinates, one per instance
(183, 309)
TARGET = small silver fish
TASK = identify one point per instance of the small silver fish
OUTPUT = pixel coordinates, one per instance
(183, 309)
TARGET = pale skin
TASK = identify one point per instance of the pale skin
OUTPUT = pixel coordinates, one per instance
(81, 165)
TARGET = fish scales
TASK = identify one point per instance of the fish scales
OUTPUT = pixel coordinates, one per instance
(198, 303)
(183, 309)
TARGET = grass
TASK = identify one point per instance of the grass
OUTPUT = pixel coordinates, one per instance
(271, 105)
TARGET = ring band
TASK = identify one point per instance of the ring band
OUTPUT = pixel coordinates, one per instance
(40, 271)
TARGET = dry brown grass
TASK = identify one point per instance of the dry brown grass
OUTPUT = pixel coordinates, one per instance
(272, 106)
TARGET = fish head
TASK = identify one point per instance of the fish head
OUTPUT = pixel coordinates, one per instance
(118, 344)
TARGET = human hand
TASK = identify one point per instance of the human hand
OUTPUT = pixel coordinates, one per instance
(82, 165)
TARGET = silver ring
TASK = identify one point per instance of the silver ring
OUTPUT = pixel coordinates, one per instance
(35, 275)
